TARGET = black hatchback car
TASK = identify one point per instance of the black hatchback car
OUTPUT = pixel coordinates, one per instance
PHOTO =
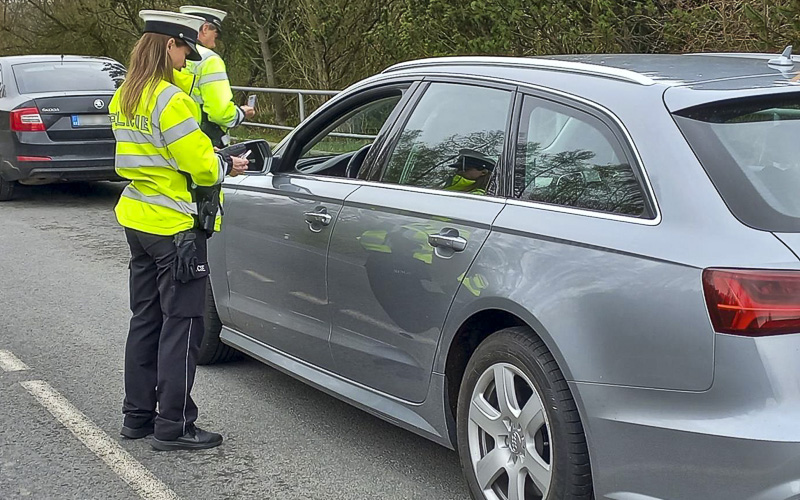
(54, 122)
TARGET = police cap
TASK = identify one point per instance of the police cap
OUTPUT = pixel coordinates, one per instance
(178, 26)
(213, 16)
(470, 158)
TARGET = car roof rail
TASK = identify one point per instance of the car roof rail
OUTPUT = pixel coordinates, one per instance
(532, 63)
(744, 55)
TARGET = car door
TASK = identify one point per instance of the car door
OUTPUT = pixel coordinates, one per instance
(278, 227)
(404, 241)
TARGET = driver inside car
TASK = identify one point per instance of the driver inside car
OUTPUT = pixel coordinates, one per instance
(473, 174)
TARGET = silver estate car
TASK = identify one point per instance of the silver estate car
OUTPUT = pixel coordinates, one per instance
(580, 272)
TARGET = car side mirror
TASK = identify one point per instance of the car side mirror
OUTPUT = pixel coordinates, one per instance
(258, 153)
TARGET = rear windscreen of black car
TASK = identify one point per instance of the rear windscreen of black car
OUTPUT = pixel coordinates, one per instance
(749, 148)
(68, 76)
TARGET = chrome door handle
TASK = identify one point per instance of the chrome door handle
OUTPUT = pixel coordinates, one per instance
(319, 217)
(448, 238)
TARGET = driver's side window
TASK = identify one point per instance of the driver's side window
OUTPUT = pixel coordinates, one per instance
(341, 147)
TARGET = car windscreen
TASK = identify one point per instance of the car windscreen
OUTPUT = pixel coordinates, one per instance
(749, 149)
(68, 76)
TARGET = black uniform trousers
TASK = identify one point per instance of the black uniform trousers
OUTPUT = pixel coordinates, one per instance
(164, 338)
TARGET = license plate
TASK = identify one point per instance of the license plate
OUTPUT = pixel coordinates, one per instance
(91, 120)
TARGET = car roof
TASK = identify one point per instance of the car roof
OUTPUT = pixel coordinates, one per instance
(49, 58)
(690, 70)
(683, 79)
(644, 69)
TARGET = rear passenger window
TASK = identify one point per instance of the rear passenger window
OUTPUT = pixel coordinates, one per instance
(570, 158)
(453, 140)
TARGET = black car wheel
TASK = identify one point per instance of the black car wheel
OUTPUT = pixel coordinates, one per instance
(212, 350)
(519, 433)
(6, 189)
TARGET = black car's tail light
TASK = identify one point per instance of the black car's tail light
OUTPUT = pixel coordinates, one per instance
(753, 303)
(26, 120)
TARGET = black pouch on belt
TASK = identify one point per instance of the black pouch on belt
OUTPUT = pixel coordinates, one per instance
(186, 266)
(208, 205)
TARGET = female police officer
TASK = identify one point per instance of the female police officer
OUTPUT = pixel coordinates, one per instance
(161, 149)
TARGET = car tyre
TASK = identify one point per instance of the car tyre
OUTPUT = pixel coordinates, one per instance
(212, 350)
(6, 189)
(530, 443)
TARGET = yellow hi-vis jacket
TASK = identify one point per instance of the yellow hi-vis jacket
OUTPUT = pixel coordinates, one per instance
(211, 89)
(154, 150)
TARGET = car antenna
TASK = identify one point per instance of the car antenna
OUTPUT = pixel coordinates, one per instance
(785, 59)
(62, 59)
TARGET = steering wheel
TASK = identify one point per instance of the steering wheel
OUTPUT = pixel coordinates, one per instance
(354, 165)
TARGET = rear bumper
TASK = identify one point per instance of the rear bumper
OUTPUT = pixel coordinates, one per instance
(738, 440)
(72, 169)
(68, 160)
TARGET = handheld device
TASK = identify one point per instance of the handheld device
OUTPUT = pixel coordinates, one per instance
(251, 100)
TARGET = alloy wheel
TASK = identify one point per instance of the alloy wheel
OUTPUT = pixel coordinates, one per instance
(509, 443)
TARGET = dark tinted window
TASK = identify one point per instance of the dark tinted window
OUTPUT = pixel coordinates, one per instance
(749, 149)
(453, 139)
(68, 76)
(570, 158)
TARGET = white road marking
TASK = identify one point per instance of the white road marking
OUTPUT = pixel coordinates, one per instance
(11, 363)
(141, 480)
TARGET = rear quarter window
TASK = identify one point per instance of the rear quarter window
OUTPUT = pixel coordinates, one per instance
(569, 158)
(748, 148)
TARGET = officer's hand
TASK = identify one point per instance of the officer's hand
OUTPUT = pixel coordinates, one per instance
(249, 112)
(239, 166)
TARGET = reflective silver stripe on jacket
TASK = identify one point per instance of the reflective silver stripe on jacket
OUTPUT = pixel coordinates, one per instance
(179, 131)
(161, 103)
(137, 137)
(213, 77)
(206, 55)
(222, 169)
(237, 120)
(198, 68)
(138, 161)
(160, 200)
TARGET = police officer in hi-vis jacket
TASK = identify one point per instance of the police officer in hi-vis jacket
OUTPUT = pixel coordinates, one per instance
(207, 82)
(167, 158)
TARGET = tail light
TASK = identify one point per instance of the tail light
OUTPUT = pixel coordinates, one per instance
(753, 303)
(26, 120)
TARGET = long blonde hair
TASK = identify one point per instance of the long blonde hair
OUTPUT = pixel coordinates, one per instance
(149, 64)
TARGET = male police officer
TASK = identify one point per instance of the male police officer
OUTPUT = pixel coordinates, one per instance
(474, 169)
(209, 85)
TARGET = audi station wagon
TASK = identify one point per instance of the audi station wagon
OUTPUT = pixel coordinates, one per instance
(580, 272)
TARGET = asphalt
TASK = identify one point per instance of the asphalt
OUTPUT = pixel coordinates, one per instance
(64, 313)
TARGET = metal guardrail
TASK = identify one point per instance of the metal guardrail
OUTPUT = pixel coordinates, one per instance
(301, 102)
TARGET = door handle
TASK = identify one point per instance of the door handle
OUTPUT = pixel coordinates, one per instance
(448, 238)
(318, 218)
